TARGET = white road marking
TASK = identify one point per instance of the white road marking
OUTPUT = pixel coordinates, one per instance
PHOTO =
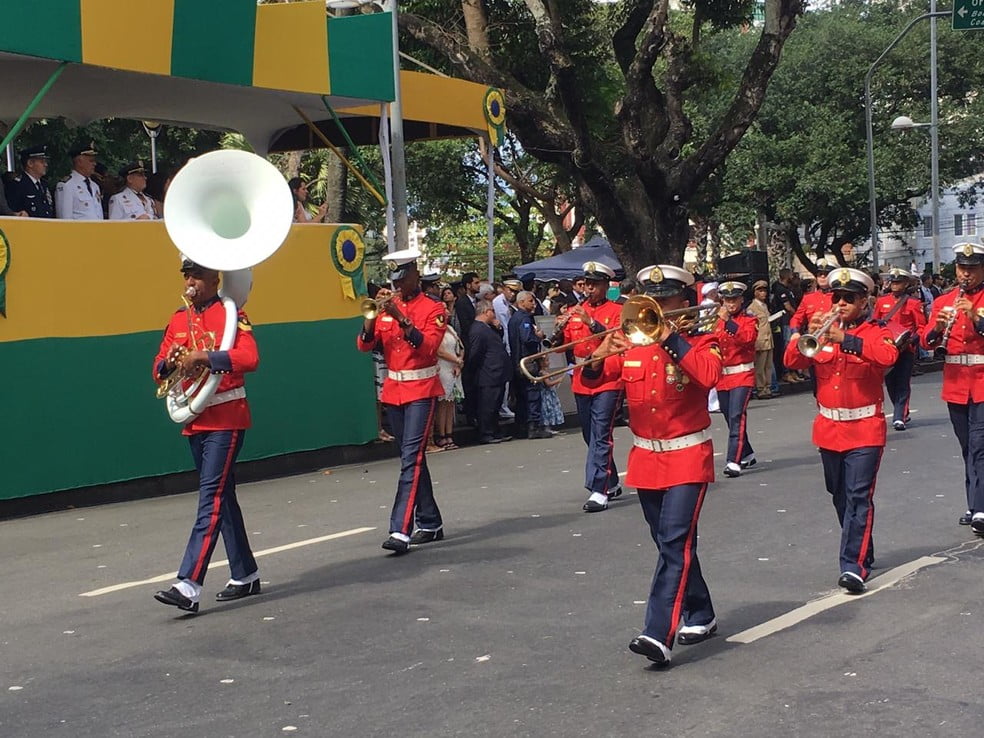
(793, 617)
(214, 564)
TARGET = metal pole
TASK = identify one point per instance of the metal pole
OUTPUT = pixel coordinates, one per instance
(873, 210)
(397, 149)
(934, 139)
(490, 208)
(10, 158)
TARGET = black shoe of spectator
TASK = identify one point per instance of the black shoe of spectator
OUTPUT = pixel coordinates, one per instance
(490, 439)
(537, 431)
(502, 439)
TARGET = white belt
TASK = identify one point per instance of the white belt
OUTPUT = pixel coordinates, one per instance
(849, 413)
(670, 444)
(965, 359)
(410, 374)
(234, 394)
(738, 368)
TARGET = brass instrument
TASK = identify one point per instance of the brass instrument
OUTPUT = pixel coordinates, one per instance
(371, 307)
(948, 328)
(642, 320)
(810, 343)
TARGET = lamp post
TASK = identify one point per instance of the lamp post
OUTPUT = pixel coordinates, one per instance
(397, 145)
(873, 210)
(905, 123)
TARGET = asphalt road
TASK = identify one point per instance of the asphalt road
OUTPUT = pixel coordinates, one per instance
(518, 623)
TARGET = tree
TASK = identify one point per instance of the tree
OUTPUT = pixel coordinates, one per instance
(602, 91)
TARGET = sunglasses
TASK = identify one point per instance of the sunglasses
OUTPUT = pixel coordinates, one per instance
(847, 297)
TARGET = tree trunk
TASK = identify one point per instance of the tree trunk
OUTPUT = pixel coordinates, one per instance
(336, 188)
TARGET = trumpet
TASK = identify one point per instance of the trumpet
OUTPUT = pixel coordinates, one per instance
(810, 343)
(371, 307)
(948, 328)
(642, 320)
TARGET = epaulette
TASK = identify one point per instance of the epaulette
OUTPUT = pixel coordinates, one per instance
(432, 297)
(17, 178)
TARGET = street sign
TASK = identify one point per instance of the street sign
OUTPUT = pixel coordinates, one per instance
(968, 15)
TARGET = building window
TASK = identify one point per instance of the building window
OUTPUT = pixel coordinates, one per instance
(958, 225)
(928, 226)
(970, 224)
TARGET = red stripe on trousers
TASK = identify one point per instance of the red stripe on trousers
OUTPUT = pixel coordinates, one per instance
(870, 521)
(687, 559)
(216, 516)
(408, 515)
(741, 428)
(611, 446)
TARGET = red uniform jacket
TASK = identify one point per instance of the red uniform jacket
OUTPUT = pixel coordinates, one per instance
(811, 304)
(419, 351)
(666, 386)
(606, 315)
(737, 336)
(849, 375)
(962, 383)
(910, 317)
(189, 324)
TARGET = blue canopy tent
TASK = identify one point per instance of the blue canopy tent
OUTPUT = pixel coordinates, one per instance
(568, 264)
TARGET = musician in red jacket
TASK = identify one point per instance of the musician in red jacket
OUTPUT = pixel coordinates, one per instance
(216, 436)
(409, 329)
(850, 363)
(672, 460)
(814, 302)
(736, 332)
(905, 324)
(599, 404)
(963, 370)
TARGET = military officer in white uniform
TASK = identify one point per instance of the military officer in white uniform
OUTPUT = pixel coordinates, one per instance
(79, 197)
(131, 203)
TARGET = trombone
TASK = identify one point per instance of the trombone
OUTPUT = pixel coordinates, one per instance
(642, 320)
(810, 343)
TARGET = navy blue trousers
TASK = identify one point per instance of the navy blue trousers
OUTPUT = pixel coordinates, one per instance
(597, 414)
(414, 494)
(527, 401)
(734, 408)
(898, 382)
(968, 426)
(215, 455)
(678, 589)
(850, 479)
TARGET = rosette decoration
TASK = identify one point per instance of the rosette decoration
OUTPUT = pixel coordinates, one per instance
(347, 254)
(4, 266)
(495, 115)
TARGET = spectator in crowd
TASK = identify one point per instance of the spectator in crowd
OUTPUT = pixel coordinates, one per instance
(930, 286)
(505, 305)
(29, 194)
(627, 288)
(131, 203)
(449, 296)
(578, 289)
(430, 284)
(763, 342)
(525, 339)
(299, 189)
(529, 282)
(783, 300)
(78, 197)
(465, 308)
(550, 408)
(450, 360)
(552, 290)
(488, 363)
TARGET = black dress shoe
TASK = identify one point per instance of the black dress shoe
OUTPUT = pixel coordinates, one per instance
(174, 598)
(238, 591)
(591, 506)
(688, 635)
(650, 649)
(490, 439)
(426, 536)
(396, 545)
(966, 518)
(851, 582)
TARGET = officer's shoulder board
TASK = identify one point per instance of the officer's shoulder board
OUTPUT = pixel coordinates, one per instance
(18, 178)
(435, 298)
(244, 324)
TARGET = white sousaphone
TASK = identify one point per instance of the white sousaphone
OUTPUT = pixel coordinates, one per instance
(226, 210)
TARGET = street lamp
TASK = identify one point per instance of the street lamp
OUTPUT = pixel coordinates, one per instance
(397, 145)
(905, 123)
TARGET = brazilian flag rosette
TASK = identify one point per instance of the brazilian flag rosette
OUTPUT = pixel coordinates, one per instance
(4, 266)
(495, 115)
(347, 254)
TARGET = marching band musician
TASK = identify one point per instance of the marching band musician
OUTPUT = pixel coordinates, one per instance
(672, 460)
(216, 436)
(599, 404)
(409, 329)
(814, 302)
(910, 317)
(850, 427)
(963, 370)
(736, 332)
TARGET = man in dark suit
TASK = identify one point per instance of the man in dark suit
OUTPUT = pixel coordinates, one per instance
(464, 309)
(29, 192)
(488, 363)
